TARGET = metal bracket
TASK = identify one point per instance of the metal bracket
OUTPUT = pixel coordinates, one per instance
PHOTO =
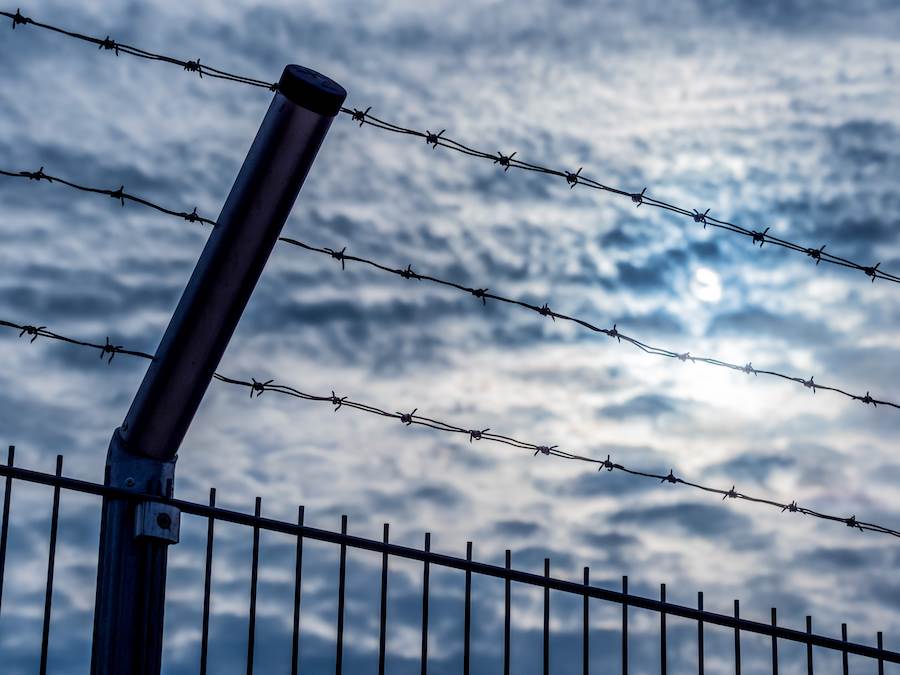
(157, 521)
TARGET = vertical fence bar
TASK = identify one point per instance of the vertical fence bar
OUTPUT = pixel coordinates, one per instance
(880, 642)
(774, 643)
(737, 640)
(4, 529)
(809, 652)
(844, 638)
(425, 589)
(468, 617)
(298, 586)
(662, 632)
(51, 562)
(586, 635)
(546, 616)
(207, 581)
(506, 614)
(625, 626)
(700, 635)
(342, 574)
(382, 635)
(254, 577)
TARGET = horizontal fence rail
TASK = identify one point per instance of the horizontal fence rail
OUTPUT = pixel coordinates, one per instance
(256, 522)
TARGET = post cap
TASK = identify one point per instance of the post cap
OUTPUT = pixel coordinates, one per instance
(312, 90)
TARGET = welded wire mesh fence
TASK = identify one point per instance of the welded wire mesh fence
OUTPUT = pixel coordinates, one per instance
(553, 589)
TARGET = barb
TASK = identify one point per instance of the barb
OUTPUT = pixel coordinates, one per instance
(544, 310)
(258, 387)
(365, 118)
(482, 294)
(119, 194)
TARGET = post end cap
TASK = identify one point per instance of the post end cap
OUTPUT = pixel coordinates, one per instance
(312, 90)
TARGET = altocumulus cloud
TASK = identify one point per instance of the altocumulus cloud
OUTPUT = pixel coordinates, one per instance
(773, 114)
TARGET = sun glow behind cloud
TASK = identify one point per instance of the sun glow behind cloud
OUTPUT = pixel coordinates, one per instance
(706, 285)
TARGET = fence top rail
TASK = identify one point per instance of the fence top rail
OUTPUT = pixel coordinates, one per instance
(217, 513)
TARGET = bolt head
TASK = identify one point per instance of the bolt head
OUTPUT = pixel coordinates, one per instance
(164, 520)
(129, 482)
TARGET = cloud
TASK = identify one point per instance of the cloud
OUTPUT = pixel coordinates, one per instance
(841, 558)
(760, 322)
(691, 518)
(508, 529)
(644, 405)
(804, 16)
(756, 466)
(675, 97)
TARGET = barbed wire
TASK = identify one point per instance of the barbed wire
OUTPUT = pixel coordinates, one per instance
(121, 48)
(106, 349)
(638, 198)
(505, 162)
(258, 387)
(118, 194)
(482, 294)
(544, 310)
(435, 140)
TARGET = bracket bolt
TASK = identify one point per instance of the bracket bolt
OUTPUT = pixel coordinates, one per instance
(164, 520)
(129, 482)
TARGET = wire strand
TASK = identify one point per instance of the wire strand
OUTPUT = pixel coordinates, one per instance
(118, 194)
(107, 349)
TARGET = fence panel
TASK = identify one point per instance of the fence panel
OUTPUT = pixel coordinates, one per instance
(483, 606)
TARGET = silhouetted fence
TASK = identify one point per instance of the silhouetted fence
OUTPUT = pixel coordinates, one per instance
(877, 655)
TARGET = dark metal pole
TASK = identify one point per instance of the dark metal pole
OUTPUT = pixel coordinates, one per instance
(131, 575)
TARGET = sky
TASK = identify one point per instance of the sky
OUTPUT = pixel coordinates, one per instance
(771, 114)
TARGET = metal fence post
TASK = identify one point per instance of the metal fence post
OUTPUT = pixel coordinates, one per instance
(131, 573)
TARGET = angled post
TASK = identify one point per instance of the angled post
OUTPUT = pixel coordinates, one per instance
(135, 535)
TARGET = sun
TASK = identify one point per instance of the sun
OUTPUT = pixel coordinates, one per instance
(706, 285)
